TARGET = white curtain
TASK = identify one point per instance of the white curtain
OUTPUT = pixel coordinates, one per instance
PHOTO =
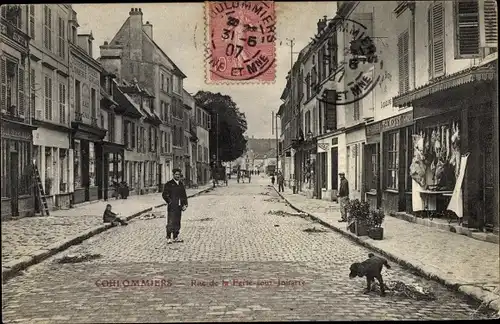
(456, 202)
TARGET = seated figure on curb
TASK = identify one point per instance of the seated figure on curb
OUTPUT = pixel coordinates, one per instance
(110, 217)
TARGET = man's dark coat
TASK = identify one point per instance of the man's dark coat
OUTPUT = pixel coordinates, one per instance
(175, 196)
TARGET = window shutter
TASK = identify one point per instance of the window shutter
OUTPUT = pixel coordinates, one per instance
(467, 27)
(488, 20)
(3, 72)
(331, 110)
(429, 42)
(406, 61)
(20, 89)
(438, 40)
(401, 64)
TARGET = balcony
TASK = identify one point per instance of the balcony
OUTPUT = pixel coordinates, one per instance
(10, 29)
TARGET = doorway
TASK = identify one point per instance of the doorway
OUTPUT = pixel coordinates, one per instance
(159, 178)
(335, 168)
(14, 183)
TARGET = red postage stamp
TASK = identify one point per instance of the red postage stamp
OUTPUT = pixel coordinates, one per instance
(241, 37)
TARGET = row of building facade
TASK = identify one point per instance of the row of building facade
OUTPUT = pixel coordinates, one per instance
(90, 123)
(424, 85)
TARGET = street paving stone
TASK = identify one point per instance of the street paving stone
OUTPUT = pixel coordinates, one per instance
(22, 237)
(457, 258)
(240, 246)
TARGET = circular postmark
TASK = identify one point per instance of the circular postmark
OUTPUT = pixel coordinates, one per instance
(357, 71)
(241, 40)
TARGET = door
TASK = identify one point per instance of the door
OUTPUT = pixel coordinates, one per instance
(85, 168)
(105, 178)
(14, 183)
(335, 168)
(159, 177)
(487, 165)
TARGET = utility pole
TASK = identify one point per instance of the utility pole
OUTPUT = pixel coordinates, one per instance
(217, 138)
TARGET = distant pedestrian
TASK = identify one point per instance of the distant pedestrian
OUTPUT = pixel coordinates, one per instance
(281, 182)
(272, 179)
(294, 184)
(174, 194)
(110, 217)
(343, 197)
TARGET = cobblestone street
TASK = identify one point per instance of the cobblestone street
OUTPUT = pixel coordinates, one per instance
(238, 234)
(22, 237)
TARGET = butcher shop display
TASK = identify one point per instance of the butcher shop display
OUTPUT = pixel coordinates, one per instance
(436, 157)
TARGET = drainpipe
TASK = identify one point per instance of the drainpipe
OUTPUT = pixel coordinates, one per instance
(413, 64)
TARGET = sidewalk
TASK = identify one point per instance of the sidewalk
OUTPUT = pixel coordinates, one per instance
(30, 240)
(465, 264)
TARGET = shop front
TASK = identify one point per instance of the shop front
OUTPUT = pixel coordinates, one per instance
(88, 159)
(371, 165)
(455, 164)
(396, 143)
(113, 166)
(17, 178)
(355, 142)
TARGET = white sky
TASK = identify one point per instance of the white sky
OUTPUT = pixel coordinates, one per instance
(178, 28)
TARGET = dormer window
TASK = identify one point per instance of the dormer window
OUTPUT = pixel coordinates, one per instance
(90, 47)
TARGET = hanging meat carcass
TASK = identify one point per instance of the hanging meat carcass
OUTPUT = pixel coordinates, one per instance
(418, 166)
(455, 148)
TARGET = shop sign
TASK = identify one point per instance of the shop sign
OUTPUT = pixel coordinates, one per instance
(373, 129)
(397, 121)
(15, 133)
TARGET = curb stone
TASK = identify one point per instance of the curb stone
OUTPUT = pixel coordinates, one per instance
(12, 268)
(483, 296)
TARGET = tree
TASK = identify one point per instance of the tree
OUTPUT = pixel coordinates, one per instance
(232, 125)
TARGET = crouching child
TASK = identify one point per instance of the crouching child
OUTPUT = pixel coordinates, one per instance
(110, 217)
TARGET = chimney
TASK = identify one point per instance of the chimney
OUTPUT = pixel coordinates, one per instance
(135, 35)
(148, 28)
(321, 24)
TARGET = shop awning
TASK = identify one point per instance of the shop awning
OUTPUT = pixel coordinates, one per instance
(486, 72)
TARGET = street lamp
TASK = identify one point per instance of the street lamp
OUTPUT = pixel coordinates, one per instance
(309, 135)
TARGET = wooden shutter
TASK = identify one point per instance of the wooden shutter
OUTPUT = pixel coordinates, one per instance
(331, 110)
(489, 23)
(438, 53)
(3, 72)
(467, 20)
(401, 64)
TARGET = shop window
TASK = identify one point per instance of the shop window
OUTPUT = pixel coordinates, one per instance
(63, 171)
(49, 175)
(392, 160)
(78, 165)
(92, 165)
(371, 167)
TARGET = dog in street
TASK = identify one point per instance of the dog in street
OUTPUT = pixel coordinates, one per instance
(371, 268)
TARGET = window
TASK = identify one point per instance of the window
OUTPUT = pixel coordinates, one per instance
(436, 40)
(111, 127)
(151, 167)
(307, 120)
(90, 47)
(169, 142)
(392, 160)
(16, 19)
(356, 113)
(200, 154)
(33, 95)
(332, 49)
(62, 103)
(371, 167)
(133, 135)
(48, 97)
(489, 32)
(162, 76)
(308, 86)
(126, 130)
(403, 61)
(78, 100)
(466, 27)
(93, 103)
(61, 39)
(74, 34)
(47, 28)
(32, 22)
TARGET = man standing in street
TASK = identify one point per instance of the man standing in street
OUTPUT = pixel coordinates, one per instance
(343, 196)
(175, 196)
(281, 182)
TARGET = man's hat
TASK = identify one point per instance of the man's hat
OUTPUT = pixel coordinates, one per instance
(341, 173)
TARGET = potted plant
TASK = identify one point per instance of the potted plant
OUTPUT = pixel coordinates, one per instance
(358, 217)
(376, 230)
